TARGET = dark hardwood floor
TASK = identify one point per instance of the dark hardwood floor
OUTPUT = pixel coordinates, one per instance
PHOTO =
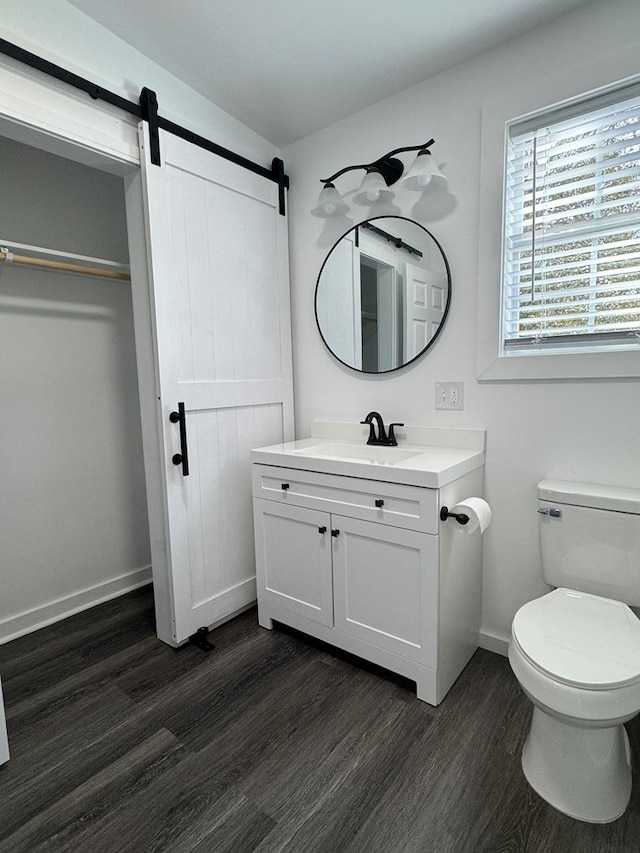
(269, 743)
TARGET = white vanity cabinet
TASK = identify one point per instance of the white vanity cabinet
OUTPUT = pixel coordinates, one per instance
(368, 566)
(363, 578)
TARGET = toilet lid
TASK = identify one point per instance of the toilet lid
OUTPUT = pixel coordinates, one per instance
(580, 639)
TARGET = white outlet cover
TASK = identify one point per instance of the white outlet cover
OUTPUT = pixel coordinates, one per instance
(450, 395)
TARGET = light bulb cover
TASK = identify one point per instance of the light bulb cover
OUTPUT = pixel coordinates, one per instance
(373, 189)
(423, 171)
(330, 203)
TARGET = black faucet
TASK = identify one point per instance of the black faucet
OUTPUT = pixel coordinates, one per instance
(381, 437)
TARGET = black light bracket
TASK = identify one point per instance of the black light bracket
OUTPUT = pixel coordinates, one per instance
(388, 165)
(390, 168)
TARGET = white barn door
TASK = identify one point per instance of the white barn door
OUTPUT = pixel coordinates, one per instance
(218, 267)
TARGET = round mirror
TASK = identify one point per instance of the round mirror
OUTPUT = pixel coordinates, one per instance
(383, 294)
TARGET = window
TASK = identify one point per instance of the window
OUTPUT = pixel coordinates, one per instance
(571, 262)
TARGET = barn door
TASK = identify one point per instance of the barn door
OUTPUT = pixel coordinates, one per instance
(218, 268)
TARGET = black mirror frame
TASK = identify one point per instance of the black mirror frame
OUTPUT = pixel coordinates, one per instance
(444, 315)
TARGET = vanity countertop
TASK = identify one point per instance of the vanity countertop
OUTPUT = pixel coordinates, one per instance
(423, 457)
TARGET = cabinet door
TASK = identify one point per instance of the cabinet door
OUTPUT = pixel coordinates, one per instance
(293, 559)
(386, 587)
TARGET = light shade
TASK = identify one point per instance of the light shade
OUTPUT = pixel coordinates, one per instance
(372, 189)
(423, 170)
(330, 203)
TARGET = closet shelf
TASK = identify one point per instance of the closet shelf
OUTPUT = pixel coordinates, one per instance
(62, 261)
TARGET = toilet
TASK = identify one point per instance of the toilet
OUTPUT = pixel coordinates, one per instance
(576, 650)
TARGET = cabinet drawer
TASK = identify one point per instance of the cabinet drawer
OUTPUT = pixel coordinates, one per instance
(410, 507)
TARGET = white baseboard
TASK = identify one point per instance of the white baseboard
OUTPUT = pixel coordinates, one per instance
(494, 643)
(46, 614)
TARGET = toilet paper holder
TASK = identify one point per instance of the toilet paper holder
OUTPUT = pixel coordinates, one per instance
(460, 517)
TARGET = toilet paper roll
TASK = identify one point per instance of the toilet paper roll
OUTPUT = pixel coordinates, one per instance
(479, 513)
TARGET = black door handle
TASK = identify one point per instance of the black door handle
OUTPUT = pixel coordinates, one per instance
(322, 529)
(181, 458)
(335, 533)
(379, 502)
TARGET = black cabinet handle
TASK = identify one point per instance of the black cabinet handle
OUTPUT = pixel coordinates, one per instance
(335, 533)
(379, 502)
(284, 486)
(322, 530)
(181, 458)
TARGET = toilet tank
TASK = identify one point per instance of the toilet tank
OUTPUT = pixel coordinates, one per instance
(590, 538)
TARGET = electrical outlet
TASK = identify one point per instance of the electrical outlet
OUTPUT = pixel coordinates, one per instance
(450, 395)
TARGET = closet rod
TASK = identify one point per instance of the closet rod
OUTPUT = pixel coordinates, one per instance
(111, 269)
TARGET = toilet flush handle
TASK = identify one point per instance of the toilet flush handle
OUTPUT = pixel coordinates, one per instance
(553, 512)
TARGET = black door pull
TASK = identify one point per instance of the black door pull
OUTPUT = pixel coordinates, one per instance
(335, 533)
(181, 458)
(379, 502)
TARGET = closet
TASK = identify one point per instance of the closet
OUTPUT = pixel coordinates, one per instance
(73, 516)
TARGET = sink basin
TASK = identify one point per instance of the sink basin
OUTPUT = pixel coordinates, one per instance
(426, 457)
(372, 453)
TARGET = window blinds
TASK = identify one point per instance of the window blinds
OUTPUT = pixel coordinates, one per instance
(571, 266)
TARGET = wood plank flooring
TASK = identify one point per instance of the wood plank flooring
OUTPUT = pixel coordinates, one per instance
(269, 743)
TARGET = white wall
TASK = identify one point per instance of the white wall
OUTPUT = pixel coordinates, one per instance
(581, 430)
(57, 31)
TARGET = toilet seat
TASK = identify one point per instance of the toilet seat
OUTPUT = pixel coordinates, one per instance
(579, 639)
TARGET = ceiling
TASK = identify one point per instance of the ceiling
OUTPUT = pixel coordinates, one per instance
(286, 68)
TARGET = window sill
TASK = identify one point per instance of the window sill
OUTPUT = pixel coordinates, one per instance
(597, 365)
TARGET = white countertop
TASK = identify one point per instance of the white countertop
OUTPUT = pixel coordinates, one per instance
(424, 457)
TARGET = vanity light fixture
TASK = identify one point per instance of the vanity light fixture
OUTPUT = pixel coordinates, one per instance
(379, 176)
